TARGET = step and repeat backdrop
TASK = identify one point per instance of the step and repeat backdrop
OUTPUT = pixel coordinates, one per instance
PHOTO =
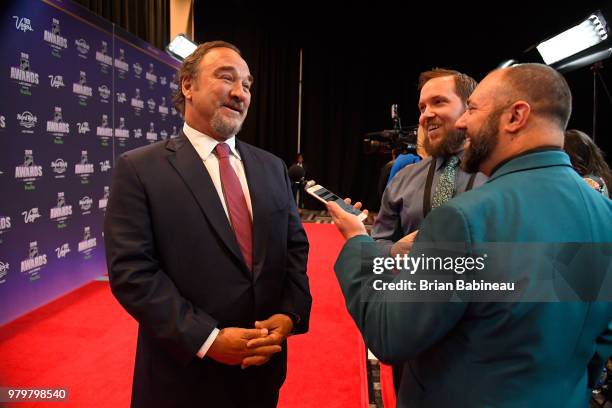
(77, 92)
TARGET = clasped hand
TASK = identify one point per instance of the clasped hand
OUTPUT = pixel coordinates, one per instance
(249, 347)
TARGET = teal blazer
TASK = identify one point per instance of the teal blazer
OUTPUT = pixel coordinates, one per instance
(502, 354)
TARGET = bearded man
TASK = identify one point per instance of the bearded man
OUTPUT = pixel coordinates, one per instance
(418, 188)
(543, 230)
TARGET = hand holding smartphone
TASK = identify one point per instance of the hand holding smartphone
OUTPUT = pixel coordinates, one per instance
(324, 195)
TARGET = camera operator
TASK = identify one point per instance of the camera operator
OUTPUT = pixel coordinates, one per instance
(405, 159)
(401, 142)
(385, 172)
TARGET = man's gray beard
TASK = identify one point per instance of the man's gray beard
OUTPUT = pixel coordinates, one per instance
(224, 127)
(450, 144)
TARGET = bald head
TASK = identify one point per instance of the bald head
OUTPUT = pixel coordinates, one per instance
(514, 110)
(543, 88)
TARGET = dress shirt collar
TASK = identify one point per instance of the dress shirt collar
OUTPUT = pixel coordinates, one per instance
(441, 161)
(205, 144)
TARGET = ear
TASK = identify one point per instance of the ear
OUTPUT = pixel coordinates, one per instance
(519, 112)
(186, 86)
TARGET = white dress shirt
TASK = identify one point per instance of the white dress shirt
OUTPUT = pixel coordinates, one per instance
(205, 146)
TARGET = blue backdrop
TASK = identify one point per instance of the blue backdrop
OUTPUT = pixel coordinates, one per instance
(76, 92)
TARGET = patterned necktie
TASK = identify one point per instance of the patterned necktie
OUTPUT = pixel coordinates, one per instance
(446, 183)
(236, 204)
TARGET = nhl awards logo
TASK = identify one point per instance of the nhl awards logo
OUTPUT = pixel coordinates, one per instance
(54, 39)
(88, 243)
(174, 85)
(162, 108)
(27, 121)
(4, 269)
(151, 135)
(137, 102)
(81, 89)
(61, 211)
(121, 132)
(24, 76)
(59, 167)
(34, 262)
(174, 132)
(122, 66)
(5, 226)
(82, 47)
(105, 60)
(84, 168)
(104, 131)
(137, 133)
(150, 76)
(163, 80)
(56, 81)
(104, 200)
(163, 134)
(28, 171)
(57, 127)
(23, 24)
(62, 250)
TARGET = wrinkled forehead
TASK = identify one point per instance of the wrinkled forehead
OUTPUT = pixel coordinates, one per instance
(225, 59)
(437, 87)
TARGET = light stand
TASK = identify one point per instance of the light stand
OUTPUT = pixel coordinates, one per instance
(596, 69)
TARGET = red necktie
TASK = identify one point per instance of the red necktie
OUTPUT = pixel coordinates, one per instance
(236, 204)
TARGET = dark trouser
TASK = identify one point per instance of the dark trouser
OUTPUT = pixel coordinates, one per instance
(397, 377)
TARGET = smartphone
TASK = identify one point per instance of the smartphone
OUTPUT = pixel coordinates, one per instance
(324, 195)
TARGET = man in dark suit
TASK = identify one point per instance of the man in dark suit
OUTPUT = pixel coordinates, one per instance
(206, 251)
(550, 234)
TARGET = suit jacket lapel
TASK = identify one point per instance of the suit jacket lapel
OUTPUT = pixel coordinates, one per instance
(193, 172)
(255, 174)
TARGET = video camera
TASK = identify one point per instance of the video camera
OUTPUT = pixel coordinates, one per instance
(402, 139)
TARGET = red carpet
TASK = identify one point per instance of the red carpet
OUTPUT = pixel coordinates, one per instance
(83, 341)
(86, 342)
(327, 365)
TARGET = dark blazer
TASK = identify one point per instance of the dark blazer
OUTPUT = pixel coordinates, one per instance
(175, 265)
(505, 354)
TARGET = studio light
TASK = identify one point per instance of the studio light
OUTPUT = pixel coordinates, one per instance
(584, 60)
(181, 47)
(586, 44)
(590, 32)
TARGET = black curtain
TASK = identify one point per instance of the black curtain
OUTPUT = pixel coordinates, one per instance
(273, 58)
(355, 68)
(146, 19)
(347, 93)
